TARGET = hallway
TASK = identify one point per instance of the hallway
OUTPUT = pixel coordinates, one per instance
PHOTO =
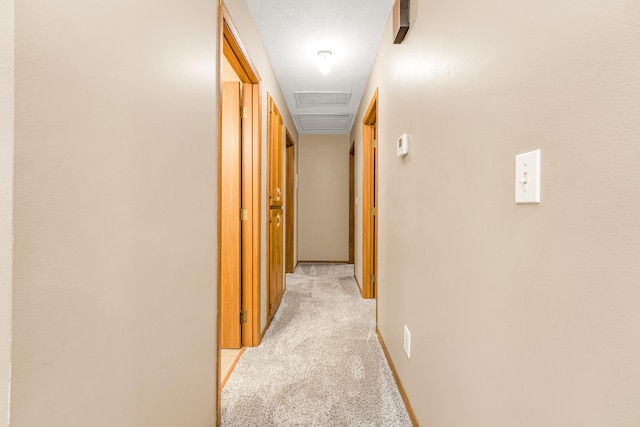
(320, 362)
(517, 314)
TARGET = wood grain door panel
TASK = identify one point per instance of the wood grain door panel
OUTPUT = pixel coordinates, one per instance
(276, 195)
(276, 265)
(230, 255)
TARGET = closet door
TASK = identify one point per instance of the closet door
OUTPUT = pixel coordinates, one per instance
(230, 196)
(275, 193)
(276, 219)
(276, 264)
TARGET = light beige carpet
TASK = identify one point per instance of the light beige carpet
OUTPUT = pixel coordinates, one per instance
(320, 362)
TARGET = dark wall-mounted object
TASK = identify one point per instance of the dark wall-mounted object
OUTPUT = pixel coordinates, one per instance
(400, 20)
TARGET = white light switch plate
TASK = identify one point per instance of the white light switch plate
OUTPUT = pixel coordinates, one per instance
(528, 177)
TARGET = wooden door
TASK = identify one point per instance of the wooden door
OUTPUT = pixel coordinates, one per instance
(230, 194)
(289, 204)
(369, 201)
(274, 191)
(276, 265)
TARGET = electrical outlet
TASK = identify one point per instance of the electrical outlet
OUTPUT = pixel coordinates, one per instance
(407, 341)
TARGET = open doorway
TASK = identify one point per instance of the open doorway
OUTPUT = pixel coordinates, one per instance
(290, 168)
(239, 167)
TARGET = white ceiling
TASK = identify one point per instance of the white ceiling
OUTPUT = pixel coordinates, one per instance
(293, 31)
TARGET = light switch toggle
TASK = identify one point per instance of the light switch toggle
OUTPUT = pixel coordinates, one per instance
(523, 180)
(528, 177)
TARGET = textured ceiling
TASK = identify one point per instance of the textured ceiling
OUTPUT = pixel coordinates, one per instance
(293, 31)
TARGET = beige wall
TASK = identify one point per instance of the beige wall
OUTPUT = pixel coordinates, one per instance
(324, 198)
(521, 315)
(251, 41)
(6, 200)
(115, 214)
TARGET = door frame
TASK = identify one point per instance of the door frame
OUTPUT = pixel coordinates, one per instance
(369, 198)
(230, 46)
(352, 206)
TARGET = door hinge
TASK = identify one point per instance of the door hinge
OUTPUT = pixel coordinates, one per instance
(244, 215)
(243, 316)
(373, 210)
(373, 143)
(372, 279)
(244, 112)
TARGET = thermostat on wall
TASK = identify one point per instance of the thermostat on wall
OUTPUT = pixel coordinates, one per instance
(403, 145)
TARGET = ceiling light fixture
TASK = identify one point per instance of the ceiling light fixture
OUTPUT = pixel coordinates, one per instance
(325, 62)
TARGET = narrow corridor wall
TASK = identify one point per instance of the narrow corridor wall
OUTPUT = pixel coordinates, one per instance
(6, 200)
(324, 198)
(115, 214)
(520, 315)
